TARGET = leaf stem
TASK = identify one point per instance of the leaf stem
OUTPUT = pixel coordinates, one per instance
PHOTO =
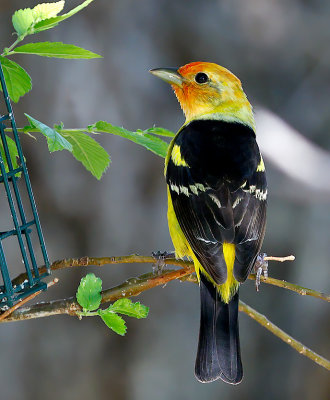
(8, 50)
(87, 314)
(33, 130)
(73, 130)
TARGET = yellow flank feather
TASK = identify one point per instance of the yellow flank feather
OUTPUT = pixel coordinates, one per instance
(181, 246)
(177, 157)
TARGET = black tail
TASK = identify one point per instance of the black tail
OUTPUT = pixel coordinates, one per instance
(218, 354)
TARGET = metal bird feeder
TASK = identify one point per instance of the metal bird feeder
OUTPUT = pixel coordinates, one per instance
(23, 230)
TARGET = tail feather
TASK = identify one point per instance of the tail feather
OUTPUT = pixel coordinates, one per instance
(218, 354)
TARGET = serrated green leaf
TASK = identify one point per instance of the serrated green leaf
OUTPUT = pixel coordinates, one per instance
(51, 22)
(22, 20)
(47, 10)
(89, 292)
(127, 307)
(55, 49)
(150, 142)
(55, 140)
(113, 321)
(156, 130)
(13, 154)
(89, 152)
(18, 81)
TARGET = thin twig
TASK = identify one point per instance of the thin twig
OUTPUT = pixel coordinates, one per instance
(291, 286)
(24, 301)
(19, 304)
(280, 259)
(301, 348)
(134, 258)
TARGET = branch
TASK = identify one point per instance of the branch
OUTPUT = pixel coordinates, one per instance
(301, 348)
(129, 288)
(187, 265)
(134, 286)
(291, 286)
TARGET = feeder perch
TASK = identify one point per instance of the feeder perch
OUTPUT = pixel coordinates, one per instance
(23, 231)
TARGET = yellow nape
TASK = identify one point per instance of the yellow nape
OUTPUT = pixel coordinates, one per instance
(261, 166)
(228, 289)
(177, 157)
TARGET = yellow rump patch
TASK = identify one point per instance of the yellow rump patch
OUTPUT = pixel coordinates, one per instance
(230, 286)
(177, 158)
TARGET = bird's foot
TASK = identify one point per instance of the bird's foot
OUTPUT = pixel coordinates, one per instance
(261, 268)
(160, 257)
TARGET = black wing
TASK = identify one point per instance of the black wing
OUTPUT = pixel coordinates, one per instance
(220, 196)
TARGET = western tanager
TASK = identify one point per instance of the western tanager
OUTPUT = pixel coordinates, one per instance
(217, 193)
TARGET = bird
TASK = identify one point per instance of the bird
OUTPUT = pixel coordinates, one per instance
(217, 201)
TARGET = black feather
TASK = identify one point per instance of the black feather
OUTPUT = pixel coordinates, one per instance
(218, 354)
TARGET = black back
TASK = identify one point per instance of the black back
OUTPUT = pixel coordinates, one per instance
(220, 196)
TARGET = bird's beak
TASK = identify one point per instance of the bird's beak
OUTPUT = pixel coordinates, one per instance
(169, 75)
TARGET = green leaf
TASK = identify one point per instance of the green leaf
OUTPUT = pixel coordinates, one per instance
(89, 292)
(55, 49)
(150, 142)
(22, 21)
(55, 140)
(89, 152)
(18, 81)
(47, 10)
(113, 321)
(156, 130)
(127, 307)
(13, 154)
(51, 22)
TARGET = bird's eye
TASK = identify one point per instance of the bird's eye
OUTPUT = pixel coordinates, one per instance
(201, 77)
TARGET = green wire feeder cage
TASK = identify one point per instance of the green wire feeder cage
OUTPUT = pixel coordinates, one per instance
(24, 231)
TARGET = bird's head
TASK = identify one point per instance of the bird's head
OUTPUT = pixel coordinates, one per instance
(208, 91)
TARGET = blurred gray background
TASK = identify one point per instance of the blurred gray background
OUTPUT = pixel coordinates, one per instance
(280, 51)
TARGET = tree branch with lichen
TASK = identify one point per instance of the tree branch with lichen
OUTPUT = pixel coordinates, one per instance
(135, 286)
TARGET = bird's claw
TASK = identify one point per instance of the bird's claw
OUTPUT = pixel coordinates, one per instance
(261, 268)
(160, 257)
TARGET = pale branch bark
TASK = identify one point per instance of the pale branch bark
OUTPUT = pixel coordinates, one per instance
(134, 258)
(301, 348)
(135, 286)
(280, 259)
(293, 287)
